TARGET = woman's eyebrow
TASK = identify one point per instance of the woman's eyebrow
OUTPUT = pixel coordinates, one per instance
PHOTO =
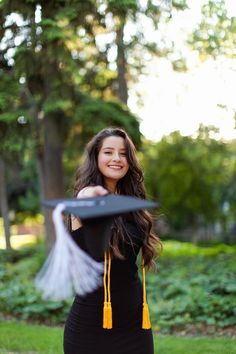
(112, 148)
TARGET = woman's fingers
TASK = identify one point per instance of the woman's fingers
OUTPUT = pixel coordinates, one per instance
(99, 190)
(92, 191)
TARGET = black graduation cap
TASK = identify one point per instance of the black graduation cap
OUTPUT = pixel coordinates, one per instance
(97, 214)
(68, 268)
(101, 206)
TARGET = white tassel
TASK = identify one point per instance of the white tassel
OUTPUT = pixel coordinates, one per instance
(68, 269)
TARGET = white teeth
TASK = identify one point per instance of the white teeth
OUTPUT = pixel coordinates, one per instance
(115, 167)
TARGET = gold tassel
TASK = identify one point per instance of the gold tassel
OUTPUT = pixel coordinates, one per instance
(146, 323)
(146, 317)
(107, 309)
(105, 315)
(109, 316)
(105, 293)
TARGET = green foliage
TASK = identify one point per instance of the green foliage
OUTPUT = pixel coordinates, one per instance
(189, 177)
(193, 286)
(216, 33)
(23, 187)
(12, 134)
(180, 4)
(183, 249)
(94, 115)
(18, 296)
(122, 7)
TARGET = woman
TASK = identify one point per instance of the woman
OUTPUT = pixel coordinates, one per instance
(111, 320)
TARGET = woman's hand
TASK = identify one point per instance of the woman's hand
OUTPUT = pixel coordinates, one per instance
(92, 191)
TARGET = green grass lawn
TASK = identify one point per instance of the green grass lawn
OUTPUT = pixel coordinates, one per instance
(18, 337)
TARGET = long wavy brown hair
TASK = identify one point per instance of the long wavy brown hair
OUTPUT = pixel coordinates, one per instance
(131, 184)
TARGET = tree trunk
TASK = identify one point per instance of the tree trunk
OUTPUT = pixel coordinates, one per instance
(4, 204)
(121, 64)
(53, 177)
(37, 129)
(48, 149)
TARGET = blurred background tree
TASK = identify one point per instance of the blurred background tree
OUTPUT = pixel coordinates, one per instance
(191, 177)
(66, 69)
(215, 34)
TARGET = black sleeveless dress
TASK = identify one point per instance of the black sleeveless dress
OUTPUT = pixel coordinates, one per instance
(84, 333)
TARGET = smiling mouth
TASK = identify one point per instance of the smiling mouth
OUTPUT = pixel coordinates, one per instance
(115, 167)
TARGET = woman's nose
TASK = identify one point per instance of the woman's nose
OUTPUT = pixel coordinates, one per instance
(116, 156)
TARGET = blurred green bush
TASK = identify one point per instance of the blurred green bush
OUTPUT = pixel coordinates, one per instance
(193, 285)
(18, 297)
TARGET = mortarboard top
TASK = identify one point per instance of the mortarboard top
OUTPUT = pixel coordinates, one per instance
(97, 215)
(110, 205)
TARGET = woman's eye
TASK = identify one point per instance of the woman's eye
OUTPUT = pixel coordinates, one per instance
(107, 152)
(123, 154)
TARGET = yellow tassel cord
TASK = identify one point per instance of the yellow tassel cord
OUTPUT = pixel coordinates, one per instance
(146, 316)
(107, 309)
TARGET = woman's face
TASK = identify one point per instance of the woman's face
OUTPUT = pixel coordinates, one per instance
(112, 161)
